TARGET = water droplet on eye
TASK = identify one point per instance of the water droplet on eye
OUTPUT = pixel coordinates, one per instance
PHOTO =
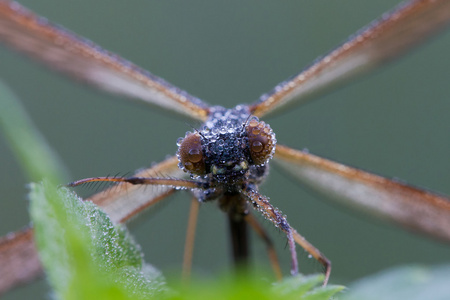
(257, 146)
(188, 165)
(253, 123)
(195, 155)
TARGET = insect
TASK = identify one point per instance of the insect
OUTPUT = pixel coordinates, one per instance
(281, 140)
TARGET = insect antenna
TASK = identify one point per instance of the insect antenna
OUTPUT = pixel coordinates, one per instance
(195, 129)
(244, 125)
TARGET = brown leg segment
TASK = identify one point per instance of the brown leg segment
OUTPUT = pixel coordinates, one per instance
(262, 204)
(190, 239)
(183, 183)
(253, 222)
(326, 263)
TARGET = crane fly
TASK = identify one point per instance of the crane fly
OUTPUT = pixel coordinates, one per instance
(234, 179)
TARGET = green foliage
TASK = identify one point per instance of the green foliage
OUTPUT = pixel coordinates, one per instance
(241, 287)
(408, 282)
(84, 254)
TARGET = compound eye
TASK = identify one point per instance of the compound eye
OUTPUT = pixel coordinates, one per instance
(190, 154)
(261, 141)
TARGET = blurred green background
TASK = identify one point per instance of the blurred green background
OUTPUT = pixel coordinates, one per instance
(394, 122)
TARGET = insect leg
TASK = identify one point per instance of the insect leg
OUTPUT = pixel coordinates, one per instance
(261, 203)
(190, 238)
(256, 226)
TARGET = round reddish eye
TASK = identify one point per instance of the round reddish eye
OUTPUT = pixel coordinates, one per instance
(261, 141)
(190, 154)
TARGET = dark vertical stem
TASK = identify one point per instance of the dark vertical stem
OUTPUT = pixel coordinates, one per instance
(239, 241)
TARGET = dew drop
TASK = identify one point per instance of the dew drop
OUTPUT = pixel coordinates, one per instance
(257, 146)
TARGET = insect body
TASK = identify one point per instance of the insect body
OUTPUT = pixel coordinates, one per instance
(227, 158)
(230, 153)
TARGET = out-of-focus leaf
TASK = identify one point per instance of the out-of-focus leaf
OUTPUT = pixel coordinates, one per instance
(84, 254)
(248, 287)
(409, 282)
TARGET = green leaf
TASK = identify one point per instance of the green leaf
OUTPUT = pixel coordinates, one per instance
(408, 282)
(298, 285)
(84, 254)
(253, 287)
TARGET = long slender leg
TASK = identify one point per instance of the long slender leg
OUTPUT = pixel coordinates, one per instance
(299, 239)
(182, 183)
(253, 222)
(239, 241)
(262, 204)
(235, 206)
(190, 238)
